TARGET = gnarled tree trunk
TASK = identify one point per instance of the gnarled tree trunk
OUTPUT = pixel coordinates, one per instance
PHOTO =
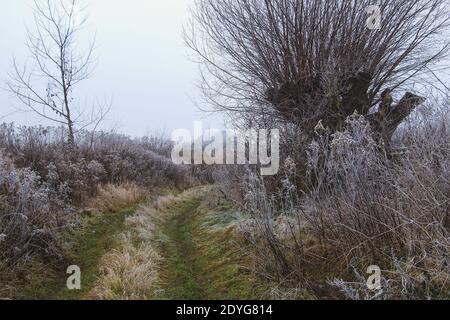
(289, 102)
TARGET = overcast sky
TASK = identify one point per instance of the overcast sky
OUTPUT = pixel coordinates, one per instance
(143, 64)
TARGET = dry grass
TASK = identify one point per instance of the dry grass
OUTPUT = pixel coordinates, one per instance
(131, 271)
(111, 198)
(361, 208)
(162, 202)
(128, 273)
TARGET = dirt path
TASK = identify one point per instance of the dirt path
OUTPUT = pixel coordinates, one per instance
(184, 249)
(201, 257)
(183, 277)
(95, 239)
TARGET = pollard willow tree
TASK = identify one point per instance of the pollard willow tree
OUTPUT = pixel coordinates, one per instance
(301, 61)
(46, 84)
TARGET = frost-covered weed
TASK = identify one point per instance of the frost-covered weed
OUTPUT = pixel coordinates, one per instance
(30, 215)
(42, 180)
(98, 158)
(362, 203)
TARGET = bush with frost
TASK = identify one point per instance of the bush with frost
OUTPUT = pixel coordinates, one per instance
(42, 179)
(30, 214)
(363, 205)
(98, 158)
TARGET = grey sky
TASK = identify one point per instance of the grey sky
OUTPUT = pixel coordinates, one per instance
(143, 64)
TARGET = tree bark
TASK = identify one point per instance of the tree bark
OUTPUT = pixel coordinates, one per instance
(388, 118)
(287, 100)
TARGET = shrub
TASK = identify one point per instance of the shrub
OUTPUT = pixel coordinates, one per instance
(361, 207)
(98, 158)
(30, 215)
(43, 181)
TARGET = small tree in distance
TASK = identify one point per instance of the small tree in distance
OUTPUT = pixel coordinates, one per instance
(47, 85)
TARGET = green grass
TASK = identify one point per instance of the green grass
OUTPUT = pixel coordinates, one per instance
(202, 260)
(182, 273)
(95, 239)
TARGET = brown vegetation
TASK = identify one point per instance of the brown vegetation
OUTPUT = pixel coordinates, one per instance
(365, 179)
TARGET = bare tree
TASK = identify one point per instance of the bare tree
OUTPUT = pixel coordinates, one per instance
(300, 61)
(46, 86)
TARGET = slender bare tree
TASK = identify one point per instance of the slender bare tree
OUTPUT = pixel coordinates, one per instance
(300, 61)
(46, 85)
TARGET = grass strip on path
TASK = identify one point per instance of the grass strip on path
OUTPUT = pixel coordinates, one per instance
(95, 239)
(202, 258)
